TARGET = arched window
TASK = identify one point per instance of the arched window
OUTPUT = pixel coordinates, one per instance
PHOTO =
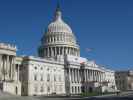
(48, 89)
(72, 89)
(60, 78)
(48, 77)
(41, 90)
(54, 78)
(35, 77)
(41, 77)
(35, 88)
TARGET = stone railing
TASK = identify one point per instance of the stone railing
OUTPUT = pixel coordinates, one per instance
(8, 46)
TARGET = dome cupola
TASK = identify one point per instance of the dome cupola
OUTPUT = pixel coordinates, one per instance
(58, 38)
(58, 25)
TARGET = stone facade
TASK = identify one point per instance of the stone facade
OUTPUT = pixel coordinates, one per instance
(8, 71)
(58, 69)
(124, 80)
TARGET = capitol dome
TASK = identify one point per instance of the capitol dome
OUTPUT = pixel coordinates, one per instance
(58, 39)
(59, 26)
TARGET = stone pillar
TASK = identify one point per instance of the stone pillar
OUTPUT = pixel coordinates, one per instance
(75, 76)
(10, 67)
(48, 52)
(18, 73)
(95, 75)
(55, 51)
(59, 50)
(7, 66)
(51, 51)
(66, 49)
(69, 51)
(85, 75)
(62, 50)
(78, 76)
(92, 75)
(4, 68)
(101, 77)
(13, 67)
(69, 75)
(72, 76)
(1, 61)
(88, 75)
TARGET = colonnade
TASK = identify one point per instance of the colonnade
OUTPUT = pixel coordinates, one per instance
(7, 67)
(85, 75)
(59, 37)
(53, 51)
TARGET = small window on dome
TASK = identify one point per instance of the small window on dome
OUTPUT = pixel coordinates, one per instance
(35, 67)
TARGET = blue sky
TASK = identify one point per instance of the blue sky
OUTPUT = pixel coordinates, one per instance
(106, 26)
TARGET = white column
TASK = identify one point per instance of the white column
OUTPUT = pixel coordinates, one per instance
(93, 75)
(85, 74)
(78, 76)
(89, 74)
(69, 75)
(72, 76)
(13, 67)
(18, 72)
(62, 50)
(75, 77)
(48, 52)
(52, 51)
(68, 50)
(0, 62)
(1, 67)
(4, 68)
(100, 76)
(7, 68)
(55, 51)
(59, 50)
(97, 76)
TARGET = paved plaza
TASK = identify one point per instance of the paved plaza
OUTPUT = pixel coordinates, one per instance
(122, 96)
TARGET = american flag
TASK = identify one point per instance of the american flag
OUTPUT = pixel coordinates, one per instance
(88, 49)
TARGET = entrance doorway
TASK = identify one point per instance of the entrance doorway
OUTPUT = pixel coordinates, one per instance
(16, 90)
(90, 89)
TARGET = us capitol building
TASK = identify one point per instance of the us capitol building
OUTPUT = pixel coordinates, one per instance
(57, 70)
